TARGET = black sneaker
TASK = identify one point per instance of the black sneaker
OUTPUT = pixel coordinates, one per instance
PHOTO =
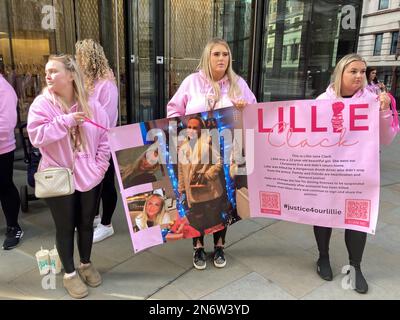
(13, 235)
(219, 257)
(199, 258)
(324, 269)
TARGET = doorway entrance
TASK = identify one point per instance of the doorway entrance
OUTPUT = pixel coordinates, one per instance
(165, 40)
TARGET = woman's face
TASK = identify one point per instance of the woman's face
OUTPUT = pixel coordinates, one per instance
(219, 61)
(193, 129)
(372, 75)
(153, 207)
(149, 161)
(57, 77)
(353, 78)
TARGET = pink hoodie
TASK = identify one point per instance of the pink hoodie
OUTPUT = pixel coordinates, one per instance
(106, 92)
(191, 95)
(386, 131)
(8, 116)
(48, 129)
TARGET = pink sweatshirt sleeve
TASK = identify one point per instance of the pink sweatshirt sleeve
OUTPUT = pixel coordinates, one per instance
(387, 132)
(248, 95)
(176, 107)
(44, 129)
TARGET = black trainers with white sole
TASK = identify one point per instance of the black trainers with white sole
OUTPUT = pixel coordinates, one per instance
(199, 258)
(219, 257)
(13, 236)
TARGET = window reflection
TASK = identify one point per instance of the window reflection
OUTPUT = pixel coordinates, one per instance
(31, 30)
(302, 42)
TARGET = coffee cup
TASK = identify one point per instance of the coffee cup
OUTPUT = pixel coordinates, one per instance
(42, 258)
(55, 262)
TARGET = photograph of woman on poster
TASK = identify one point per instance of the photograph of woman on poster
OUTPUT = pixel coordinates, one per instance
(199, 180)
(154, 213)
(145, 168)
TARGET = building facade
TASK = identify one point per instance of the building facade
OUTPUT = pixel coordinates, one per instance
(285, 49)
(379, 41)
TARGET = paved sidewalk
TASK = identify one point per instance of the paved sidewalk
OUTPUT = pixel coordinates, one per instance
(267, 259)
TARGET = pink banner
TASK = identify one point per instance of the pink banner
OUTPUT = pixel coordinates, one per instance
(310, 161)
(316, 162)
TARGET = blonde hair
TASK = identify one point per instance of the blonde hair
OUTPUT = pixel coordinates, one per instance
(134, 168)
(143, 217)
(80, 94)
(336, 81)
(205, 66)
(93, 62)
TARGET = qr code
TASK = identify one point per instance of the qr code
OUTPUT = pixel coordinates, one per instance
(358, 212)
(270, 202)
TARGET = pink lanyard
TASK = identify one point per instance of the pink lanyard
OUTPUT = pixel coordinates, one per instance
(95, 124)
(395, 115)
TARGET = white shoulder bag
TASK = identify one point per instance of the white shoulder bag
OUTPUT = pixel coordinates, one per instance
(54, 182)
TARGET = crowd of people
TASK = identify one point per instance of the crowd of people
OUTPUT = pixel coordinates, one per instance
(68, 122)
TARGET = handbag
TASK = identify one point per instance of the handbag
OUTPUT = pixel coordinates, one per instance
(198, 179)
(207, 214)
(55, 182)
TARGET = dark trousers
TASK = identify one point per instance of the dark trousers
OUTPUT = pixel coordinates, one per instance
(355, 243)
(76, 210)
(217, 235)
(108, 196)
(9, 196)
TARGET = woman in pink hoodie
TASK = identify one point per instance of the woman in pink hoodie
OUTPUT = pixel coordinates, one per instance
(215, 85)
(9, 196)
(100, 83)
(349, 81)
(70, 131)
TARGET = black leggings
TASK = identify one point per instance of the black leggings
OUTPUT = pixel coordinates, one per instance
(355, 243)
(76, 210)
(109, 195)
(217, 235)
(9, 196)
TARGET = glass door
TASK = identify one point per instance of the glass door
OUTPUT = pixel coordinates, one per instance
(142, 41)
(189, 28)
(25, 44)
(166, 41)
(303, 40)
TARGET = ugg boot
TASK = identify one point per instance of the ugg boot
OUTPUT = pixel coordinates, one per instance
(90, 275)
(75, 287)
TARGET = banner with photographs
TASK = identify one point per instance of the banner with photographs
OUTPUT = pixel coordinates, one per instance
(175, 175)
(308, 161)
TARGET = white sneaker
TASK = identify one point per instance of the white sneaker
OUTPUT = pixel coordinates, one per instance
(102, 232)
(97, 220)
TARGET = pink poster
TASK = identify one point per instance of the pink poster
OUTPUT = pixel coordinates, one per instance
(316, 162)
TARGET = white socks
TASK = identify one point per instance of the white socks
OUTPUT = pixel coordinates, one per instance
(69, 275)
